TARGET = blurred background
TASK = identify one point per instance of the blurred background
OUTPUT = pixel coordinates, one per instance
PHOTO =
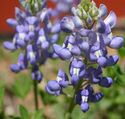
(17, 88)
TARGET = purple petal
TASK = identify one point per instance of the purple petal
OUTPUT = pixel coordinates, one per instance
(85, 92)
(53, 85)
(111, 19)
(84, 107)
(78, 22)
(15, 68)
(63, 83)
(56, 28)
(101, 27)
(54, 38)
(9, 45)
(49, 91)
(96, 97)
(61, 52)
(74, 79)
(45, 45)
(102, 61)
(117, 42)
(103, 10)
(20, 28)
(32, 20)
(76, 51)
(93, 57)
(67, 24)
(12, 22)
(21, 43)
(112, 60)
(106, 82)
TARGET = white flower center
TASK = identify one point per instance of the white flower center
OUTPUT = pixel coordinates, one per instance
(98, 39)
(32, 55)
(76, 71)
(22, 36)
(84, 98)
(42, 39)
(14, 40)
(98, 53)
(58, 79)
(69, 46)
(31, 28)
(63, 45)
(49, 25)
(110, 35)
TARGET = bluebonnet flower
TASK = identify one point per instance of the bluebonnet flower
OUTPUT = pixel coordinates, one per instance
(89, 31)
(21, 64)
(55, 87)
(77, 71)
(36, 73)
(87, 95)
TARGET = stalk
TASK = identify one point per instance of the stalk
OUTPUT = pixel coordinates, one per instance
(72, 103)
(35, 85)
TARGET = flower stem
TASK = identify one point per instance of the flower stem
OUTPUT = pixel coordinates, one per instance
(35, 84)
(72, 104)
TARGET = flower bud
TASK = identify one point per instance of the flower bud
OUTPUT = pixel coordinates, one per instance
(116, 42)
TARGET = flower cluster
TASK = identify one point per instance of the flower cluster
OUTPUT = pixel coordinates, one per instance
(86, 46)
(90, 33)
(34, 35)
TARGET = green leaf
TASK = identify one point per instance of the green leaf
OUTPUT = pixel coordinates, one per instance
(1, 97)
(22, 85)
(15, 118)
(24, 113)
(121, 79)
(120, 99)
(114, 116)
(121, 52)
(58, 111)
(38, 114)
(46, 98)
(105, 104)
(77, 113)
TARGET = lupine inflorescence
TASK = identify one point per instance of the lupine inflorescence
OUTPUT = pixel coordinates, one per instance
(35, 34)
(89, 34)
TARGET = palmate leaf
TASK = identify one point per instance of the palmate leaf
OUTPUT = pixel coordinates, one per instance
(22, 85)
(38, 114)
(24, 113)
(58, 111)
(46, 98)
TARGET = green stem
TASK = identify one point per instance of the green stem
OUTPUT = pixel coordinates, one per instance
(35, 84)
(72, 104)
